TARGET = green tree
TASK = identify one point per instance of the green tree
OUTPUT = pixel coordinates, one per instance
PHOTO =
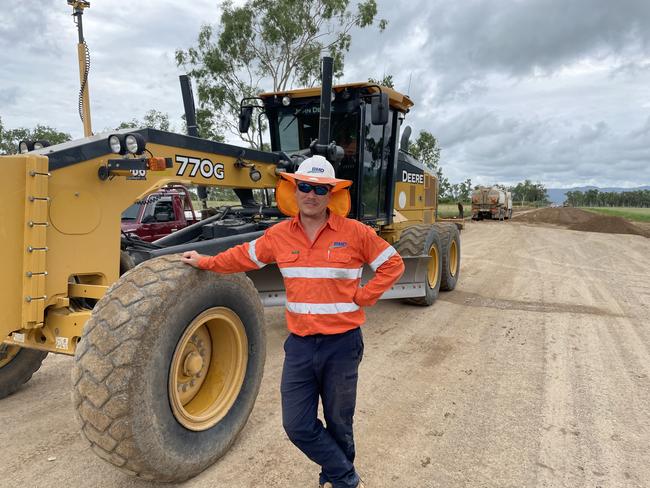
(444, 187)
(426, 150)
(153, 118)
(529, 192)
(281, 41)
(386, 81)
(464, 190)
(9, 138)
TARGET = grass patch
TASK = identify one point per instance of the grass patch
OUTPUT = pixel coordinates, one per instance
(630, 213)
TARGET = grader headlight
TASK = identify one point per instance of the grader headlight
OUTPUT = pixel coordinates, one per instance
(126, 144)
(134, 143)
(116, 143)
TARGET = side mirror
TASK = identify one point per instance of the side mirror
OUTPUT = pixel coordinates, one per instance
(245, 116)
(379, 108)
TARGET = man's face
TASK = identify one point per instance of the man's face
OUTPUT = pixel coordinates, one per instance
(310, 204)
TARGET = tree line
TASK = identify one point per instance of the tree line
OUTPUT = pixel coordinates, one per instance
(10, 138)
(596, 198)
(529, 193)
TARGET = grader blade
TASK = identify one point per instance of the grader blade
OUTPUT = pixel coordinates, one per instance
(411, 284)
(270, 286)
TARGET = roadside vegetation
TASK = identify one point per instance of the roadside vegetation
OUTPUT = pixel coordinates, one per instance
(596, 198)
(630, 213)
(9, 138)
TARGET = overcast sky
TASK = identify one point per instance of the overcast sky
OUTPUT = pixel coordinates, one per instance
(556, 91)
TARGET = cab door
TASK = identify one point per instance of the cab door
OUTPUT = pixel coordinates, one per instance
(376, 168)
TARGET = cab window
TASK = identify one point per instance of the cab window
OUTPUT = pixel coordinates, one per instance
(377, 146)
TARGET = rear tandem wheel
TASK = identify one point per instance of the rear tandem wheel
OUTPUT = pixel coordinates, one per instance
(17, 365)
(450, 261)
(168, 368)
(419, 240)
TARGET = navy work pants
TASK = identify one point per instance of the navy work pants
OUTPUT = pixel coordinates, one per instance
(324, 366)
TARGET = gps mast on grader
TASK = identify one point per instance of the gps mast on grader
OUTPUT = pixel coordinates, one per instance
(169, 359)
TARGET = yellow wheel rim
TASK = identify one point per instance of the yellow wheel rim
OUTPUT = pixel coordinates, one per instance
(7, 354)
(208, 368)
(432, 268)
(453, 258)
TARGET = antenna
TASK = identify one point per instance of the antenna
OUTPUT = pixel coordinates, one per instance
(408, 91)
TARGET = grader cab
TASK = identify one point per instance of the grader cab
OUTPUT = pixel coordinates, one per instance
(169, 359)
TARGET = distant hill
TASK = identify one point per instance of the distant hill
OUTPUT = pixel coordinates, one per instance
(557, 195)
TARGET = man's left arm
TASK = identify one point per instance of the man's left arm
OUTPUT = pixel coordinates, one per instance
(384, 261)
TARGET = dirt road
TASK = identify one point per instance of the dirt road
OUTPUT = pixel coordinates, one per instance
(533, 373)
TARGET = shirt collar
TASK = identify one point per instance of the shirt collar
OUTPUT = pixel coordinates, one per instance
(333, 221)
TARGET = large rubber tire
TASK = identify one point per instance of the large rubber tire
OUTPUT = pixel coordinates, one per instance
(123, 368)
(450, 262)
(419, 240)
(17, 365)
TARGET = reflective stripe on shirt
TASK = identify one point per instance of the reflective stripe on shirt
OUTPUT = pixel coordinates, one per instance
(314, 272)
(321, 308)
(253, 256)
(383, 257)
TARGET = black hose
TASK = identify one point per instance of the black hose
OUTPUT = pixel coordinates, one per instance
(84, 81)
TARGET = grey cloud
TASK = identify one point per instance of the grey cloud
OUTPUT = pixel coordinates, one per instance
(8, 96)
(461, 43)
(545, 150)
(27, 28)
(507, 87)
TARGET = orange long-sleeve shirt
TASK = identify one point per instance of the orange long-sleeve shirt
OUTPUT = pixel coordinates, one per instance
(322, 277)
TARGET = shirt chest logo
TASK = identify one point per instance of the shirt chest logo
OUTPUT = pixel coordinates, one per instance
(338, 244)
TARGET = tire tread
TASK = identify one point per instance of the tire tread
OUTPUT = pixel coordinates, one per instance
(108, 358)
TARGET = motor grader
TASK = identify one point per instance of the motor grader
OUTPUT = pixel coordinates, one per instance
(168, 360)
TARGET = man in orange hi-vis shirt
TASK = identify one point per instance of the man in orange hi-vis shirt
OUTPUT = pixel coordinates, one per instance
(320, 254)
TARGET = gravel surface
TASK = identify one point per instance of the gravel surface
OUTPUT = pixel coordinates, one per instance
(534, 372)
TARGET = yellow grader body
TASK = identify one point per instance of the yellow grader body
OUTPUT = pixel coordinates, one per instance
(60, 235)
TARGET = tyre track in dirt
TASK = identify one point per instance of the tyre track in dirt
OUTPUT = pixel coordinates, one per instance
(588, 381)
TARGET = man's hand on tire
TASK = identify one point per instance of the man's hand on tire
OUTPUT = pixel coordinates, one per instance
(191, 257)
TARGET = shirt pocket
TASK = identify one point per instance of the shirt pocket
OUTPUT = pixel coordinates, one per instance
(287, 258)
(338, 256)
(342, 267)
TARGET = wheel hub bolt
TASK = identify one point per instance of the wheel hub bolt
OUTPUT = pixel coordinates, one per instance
(193, 364)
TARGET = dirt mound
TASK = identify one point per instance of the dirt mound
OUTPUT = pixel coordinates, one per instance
(577, 219)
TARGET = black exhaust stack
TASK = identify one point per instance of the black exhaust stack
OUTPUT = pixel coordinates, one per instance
(188, 104)
(192, 128)
(323, 146)
(326, 101)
